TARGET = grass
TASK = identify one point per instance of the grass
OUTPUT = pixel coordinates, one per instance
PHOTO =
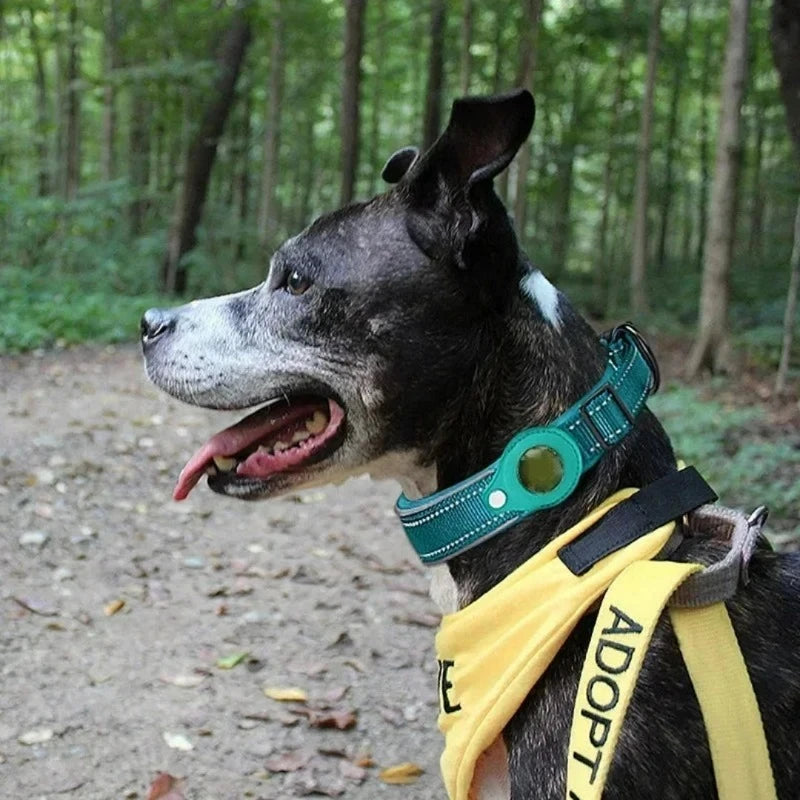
(747, 461)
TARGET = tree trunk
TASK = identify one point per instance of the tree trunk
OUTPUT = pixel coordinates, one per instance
(139, 148)
(42, 115)
(688, 224)
(712, 348)
(785, 41)
(790, 315)
(73, 108)
(527, 68)
(545, 156)
(602, 271)
(111, 62)
(497, 86)
(377, 88)
(497, 49)
(433, 92)
(353, 48)
(756, 238)
(640, 202)
(242, 187)
(308, 175)
(705, 171)
(416, 73)
(672, 135)
(60, 104)
(562, 229)
(272, 131)
(466, 46)
(189, 205)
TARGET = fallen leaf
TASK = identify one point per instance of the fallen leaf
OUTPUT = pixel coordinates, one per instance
(341, 719)
(35, 736)
(113, 607)
(165, 787)
(407, 772)
(364, 760)
(288, 762)
(177, 741)
(286, 695)
(229, 662)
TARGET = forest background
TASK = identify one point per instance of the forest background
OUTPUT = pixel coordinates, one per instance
(154, 149)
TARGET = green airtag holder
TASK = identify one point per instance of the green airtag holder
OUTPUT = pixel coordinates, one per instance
(539, 468)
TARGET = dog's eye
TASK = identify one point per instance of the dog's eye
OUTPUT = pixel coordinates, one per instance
(297, 283)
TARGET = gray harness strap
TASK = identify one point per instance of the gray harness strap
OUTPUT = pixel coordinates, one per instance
(719, 581)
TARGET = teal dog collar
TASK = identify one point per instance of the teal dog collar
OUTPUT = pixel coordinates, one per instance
(540, 467)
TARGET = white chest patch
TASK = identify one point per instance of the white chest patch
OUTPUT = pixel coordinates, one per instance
(491, 780)
(544, 294)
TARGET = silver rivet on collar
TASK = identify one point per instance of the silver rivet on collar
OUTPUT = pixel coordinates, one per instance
(497, 499)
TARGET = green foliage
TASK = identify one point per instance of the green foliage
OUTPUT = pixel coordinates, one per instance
(41, 311)
(735, 449)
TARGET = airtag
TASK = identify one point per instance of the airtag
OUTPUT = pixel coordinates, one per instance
(540, 469)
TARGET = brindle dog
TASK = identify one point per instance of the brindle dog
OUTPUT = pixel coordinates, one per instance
(410, 336)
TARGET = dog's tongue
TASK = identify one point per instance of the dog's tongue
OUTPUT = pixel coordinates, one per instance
(244, 433)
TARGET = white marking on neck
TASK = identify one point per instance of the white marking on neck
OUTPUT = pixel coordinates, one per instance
(545, 295)
(443, 589)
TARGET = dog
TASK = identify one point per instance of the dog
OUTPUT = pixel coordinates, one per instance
(410, 337)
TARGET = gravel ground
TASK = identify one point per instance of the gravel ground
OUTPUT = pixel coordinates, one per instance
(117, 605)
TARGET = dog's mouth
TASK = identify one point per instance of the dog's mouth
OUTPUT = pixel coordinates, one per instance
(284, 436)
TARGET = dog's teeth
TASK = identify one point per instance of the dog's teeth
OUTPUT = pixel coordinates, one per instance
(224, 464)
(300, 436)
(280, 446)
(317, 423)
(211, 470)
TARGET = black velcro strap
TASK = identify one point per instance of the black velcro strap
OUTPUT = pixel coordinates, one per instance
(655, 505)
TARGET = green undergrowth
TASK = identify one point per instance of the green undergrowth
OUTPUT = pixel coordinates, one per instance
(748, 461)
(35, 312)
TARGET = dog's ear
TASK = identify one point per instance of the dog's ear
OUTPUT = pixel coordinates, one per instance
(481, 138)
(484, 134)
(398, 164)
(449, 188)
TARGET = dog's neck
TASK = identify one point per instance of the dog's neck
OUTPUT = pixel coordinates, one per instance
(535, 362)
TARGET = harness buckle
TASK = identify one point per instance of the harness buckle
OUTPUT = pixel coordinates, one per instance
(642, 346)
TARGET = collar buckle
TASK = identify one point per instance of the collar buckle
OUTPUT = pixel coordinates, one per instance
(642, 346)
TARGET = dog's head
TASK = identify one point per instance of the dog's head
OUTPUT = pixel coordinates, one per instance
(367, 325)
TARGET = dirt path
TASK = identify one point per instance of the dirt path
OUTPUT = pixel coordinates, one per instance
(321, 591)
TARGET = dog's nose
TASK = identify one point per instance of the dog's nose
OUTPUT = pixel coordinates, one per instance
(155, 323)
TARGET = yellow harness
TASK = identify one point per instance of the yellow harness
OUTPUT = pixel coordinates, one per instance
(492, 652)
